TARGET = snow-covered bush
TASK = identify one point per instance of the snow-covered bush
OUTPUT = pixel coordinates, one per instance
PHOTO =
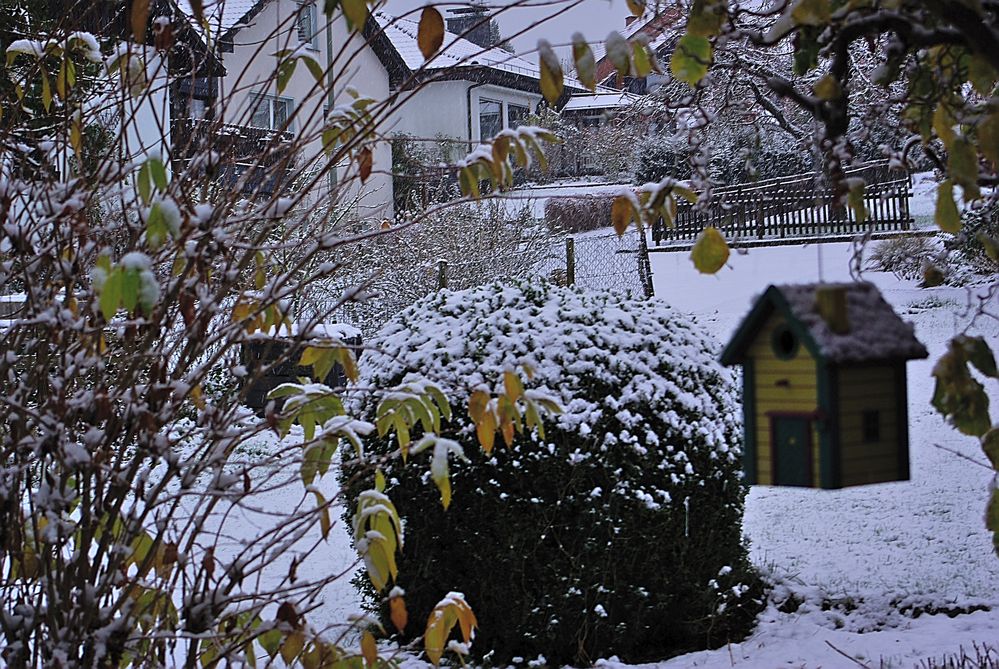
(617, 532)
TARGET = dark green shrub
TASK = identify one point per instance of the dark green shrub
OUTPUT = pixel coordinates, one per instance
(619, 533)
(979, 223)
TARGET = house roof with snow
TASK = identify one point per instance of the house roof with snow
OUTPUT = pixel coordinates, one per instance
(394, 40)
(601, 100)
(875, 331)
(225, 16)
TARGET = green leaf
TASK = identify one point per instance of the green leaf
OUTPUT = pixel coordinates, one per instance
(988, 138)
(981, 74)
(356, 12)
(551, 72)
(144, 183)
(957, 395)
(130, 290)
(285, 70)
(990, 444)
(158, 173)
(710, 252)
(314, 67)
(691, 59)
(110, 298)
(962, 165)
(811, 12)
(946, 215)
(270, 641)
(156, 227)
(978, 354)
(586, 66)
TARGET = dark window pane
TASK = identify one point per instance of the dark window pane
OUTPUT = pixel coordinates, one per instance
(516, 115)
(872, 426)
(490, 119)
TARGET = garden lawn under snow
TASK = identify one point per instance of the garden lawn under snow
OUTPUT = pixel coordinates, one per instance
(918, 544)
(876, 552)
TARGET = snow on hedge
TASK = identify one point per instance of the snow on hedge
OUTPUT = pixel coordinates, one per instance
(574, 342)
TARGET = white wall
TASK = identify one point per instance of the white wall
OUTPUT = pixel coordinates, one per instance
(250, 70)
(442, 109)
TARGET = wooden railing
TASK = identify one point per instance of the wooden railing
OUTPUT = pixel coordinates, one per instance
(796, 206)
(259, 159)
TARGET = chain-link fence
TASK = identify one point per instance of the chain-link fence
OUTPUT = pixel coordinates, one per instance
(592, 261)
(598, 260)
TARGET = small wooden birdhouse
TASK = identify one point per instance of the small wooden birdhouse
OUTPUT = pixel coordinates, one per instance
(824, 388)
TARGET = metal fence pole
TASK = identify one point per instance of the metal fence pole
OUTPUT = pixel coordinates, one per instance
(442, 274)
(570, 261)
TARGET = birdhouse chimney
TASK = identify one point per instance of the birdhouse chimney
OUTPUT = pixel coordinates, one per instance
(831, 304)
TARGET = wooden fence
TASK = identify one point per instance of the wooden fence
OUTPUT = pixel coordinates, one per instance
(796, 206)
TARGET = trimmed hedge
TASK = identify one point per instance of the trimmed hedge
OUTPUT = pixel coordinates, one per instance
(579, 213)
(620, 532)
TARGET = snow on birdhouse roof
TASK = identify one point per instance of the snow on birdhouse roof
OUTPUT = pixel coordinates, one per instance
(455, 51)
(875, 331)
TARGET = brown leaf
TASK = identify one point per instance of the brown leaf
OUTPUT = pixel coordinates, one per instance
(163, 36)
(430, 34)
(622, 211)
(140, 20)
(364, 163)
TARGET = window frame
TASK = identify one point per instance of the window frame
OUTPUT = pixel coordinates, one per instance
(308, 13)
(272, 100)
(500, 117)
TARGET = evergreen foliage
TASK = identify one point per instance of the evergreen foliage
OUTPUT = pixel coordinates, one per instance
(617, 532)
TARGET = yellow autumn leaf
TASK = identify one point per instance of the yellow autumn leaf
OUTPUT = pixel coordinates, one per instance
(369, 648)
(710, 252)
(946, 215)
(398, 613)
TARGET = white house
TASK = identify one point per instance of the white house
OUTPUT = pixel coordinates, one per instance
(249, 34)
(466, 92)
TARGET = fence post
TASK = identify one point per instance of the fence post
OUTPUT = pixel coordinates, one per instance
(570, 261)
(442, 274)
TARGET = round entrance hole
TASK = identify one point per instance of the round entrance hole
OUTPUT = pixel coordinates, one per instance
(784, 342)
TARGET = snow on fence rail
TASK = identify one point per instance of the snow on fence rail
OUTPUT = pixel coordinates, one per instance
(795, 206)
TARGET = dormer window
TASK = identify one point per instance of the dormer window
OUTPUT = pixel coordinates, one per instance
(308, 26)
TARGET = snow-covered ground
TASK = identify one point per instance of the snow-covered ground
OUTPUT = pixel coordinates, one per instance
(885, 547)
(875, 552)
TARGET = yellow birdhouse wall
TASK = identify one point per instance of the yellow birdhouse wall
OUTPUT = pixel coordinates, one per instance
(780, 386)
(870, 453)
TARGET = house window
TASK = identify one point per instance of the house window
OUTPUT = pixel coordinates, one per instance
(271, 112)
(871, 422)
(490, 119)
(515, 115)
(308, 29)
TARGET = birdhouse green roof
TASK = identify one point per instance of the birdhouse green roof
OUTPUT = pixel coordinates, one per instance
(873, 330)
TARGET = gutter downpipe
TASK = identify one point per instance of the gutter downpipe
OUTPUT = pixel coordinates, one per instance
(330, 82)
(468, 94)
